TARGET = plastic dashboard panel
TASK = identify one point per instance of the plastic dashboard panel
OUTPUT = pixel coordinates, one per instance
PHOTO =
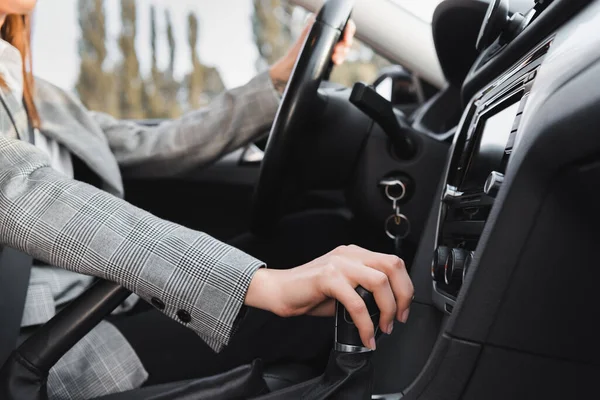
(556, 14)
(524, 323)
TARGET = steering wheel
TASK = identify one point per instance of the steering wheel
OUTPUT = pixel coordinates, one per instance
(299, 103)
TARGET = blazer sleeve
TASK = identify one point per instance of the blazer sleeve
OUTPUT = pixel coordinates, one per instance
(231, 120)
(201, 281)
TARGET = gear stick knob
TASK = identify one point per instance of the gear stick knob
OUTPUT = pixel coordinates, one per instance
(347, 338)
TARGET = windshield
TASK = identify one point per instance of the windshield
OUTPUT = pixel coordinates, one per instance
(143, 59)
(421, 8)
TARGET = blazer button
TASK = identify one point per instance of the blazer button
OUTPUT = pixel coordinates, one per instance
(184, 316)
(158, 303)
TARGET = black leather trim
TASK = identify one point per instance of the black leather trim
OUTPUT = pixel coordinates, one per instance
(348, 376)
(275, 378)
(281, 376)
(24, 374)
(15, 268)
(240, 383)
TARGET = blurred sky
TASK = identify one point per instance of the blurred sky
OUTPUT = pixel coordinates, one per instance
(226, 39)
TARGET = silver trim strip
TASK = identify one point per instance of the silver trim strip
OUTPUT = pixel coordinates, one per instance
(347, 348)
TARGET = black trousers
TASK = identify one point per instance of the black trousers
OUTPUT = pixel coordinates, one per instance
(172, 352)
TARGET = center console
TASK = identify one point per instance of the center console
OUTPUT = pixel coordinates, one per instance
(475, 172)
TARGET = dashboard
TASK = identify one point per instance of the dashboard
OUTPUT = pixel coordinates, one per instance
(478, 162)
(509, 255)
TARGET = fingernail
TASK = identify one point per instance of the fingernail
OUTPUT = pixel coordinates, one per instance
(405, 315)
(372, 345)
(390, 328)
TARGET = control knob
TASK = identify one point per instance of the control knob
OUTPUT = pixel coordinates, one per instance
(453, 270)
(438, 264)
(468, 262)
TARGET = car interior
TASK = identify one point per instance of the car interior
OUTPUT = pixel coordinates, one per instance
(483, 184)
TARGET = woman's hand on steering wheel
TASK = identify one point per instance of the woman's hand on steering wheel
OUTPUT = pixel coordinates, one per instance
(313, 288)
(280, 71)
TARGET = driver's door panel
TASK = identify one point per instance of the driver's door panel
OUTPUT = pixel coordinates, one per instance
(215, 199)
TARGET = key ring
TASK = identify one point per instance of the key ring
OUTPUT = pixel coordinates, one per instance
(397, 214)
(396, 218)
(391, 183)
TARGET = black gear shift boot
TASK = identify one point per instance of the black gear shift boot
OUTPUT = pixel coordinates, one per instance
(348, 376)
(349, 372)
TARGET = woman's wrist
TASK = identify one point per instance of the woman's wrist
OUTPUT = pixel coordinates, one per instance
(263, 290)
(280, 73)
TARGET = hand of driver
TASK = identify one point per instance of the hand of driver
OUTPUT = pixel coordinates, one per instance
(281, 70)
(313, 288)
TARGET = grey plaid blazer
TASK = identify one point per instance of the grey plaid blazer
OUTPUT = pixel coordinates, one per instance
(75, 226)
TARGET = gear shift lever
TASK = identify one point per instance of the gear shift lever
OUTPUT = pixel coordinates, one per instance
(349, 372)
(347, 338)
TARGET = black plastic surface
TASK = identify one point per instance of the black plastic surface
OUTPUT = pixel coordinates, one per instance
(15, 268)
(555, 281)
(502, 374)
(335, 13)
(528, 300)
(365, 98)
(455, 25)
(421, 273)
(463, 216)
(564, 135)
(495, 20)
(447, 372)
(555, 15)
(377, 162)
(440, 114)
(400, 357)
(327, 157)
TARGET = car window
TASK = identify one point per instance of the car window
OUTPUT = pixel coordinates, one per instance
(158, 58)
(423, 8)
(277, 24)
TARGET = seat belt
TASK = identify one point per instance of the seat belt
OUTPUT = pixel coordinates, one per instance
(15, 269)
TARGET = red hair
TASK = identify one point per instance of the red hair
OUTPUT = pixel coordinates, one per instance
(16, 30)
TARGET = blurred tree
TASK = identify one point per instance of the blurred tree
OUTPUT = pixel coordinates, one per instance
(95, 86)
(195, 80)
(271, 24)
(152, 103)
(171, 40)
(154, 40)
(354, 71)
(203, 82)
(360, 69)
(130, 81)
(168, 86)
